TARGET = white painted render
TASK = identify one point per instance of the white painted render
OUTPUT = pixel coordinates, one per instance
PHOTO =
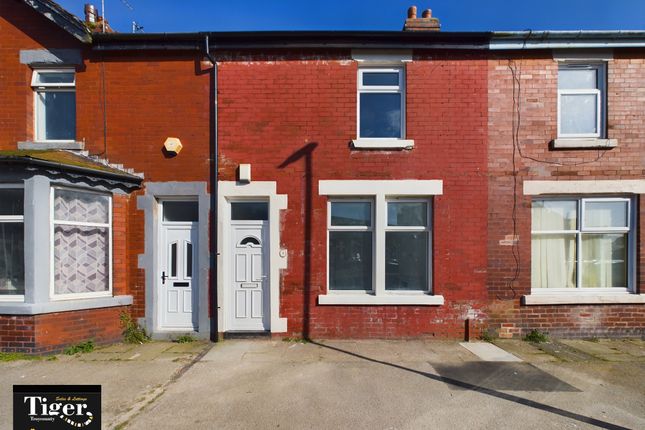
(632, 186)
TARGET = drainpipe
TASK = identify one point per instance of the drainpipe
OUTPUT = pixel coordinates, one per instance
(214, 308)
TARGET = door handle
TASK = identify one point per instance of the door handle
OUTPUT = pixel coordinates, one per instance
(163, 277)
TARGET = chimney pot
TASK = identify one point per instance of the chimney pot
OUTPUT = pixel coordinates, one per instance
(90, 13)
(424, 23)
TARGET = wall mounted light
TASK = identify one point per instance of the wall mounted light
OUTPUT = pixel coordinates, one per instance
(173, 145)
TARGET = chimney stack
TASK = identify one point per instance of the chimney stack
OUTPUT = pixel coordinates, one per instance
(90, 13)
(425, 23)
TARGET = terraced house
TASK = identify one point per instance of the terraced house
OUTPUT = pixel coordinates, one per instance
(413, 183)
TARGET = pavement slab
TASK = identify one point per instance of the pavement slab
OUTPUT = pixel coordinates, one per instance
(489, 352)
(525, 350)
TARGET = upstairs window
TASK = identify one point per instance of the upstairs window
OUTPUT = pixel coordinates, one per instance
(581, 101)
(55, 105)
(381, 101)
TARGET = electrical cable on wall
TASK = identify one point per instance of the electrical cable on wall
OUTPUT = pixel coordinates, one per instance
(516, 74)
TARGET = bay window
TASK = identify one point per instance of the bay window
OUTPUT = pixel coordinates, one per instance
(12, 260)
(82, 241)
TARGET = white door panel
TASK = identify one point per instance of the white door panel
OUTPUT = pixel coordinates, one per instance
(249, 288)
(178, 276)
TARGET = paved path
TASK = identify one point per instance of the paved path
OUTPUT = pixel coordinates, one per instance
(568, 384)
(400, 385)
(129, 374)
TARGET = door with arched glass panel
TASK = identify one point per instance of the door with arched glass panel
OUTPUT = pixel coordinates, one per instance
(249, 298)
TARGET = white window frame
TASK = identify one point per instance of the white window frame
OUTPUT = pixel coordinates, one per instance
(370, 228)
(49, 87)
(14, 219)
(53, 222)
(380, 89)
(378, 229)
(579, 231)
(599, 92)
(427, 228)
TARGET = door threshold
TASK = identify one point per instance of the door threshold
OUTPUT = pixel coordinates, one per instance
(247, 334)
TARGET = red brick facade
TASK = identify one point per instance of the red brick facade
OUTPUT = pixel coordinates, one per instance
(292, 114)
(311, 99)
(534, 160)
(146, 101)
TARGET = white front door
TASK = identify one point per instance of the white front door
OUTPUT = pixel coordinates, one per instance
(249, 287)
(178, 277)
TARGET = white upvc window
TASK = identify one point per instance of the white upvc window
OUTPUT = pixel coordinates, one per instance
(582, 244)
(581, 100)
(350, 245)
(54, 105)
(379, 247)
(81, 238)
(381, 103)
(12, 258)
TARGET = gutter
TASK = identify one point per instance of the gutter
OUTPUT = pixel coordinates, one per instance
(215, 198)
(292, 40)
(123, 177)
(483, 41)
(581, 39)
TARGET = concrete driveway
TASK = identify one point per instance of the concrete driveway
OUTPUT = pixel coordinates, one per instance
(353, 384)
(401, 385)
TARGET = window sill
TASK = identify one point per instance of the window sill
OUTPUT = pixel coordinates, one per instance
(63, 306)
(383, 143)
(51, 145)
(584, 298)
(573, 143)
(390, 299)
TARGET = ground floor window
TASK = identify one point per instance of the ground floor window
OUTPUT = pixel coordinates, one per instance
(401, 226)
(82, 242)
(581, 243)
(12, 258)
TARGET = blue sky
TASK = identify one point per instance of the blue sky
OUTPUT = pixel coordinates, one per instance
(455, 15)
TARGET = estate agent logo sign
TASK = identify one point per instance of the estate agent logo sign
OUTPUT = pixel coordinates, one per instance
(56, 407)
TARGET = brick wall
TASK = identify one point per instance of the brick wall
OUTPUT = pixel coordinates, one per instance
(302, 99)
(22, 28)
(50, 333)
(509, 261)
(147, 99)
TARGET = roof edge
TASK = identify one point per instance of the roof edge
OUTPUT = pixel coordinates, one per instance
(494, 41)
(27, 160)
(62, 18)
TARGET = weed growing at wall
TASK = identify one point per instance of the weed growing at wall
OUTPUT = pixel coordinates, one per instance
(132, 332)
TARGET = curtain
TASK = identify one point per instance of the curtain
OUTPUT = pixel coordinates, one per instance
(553, 255)
(81, 252)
